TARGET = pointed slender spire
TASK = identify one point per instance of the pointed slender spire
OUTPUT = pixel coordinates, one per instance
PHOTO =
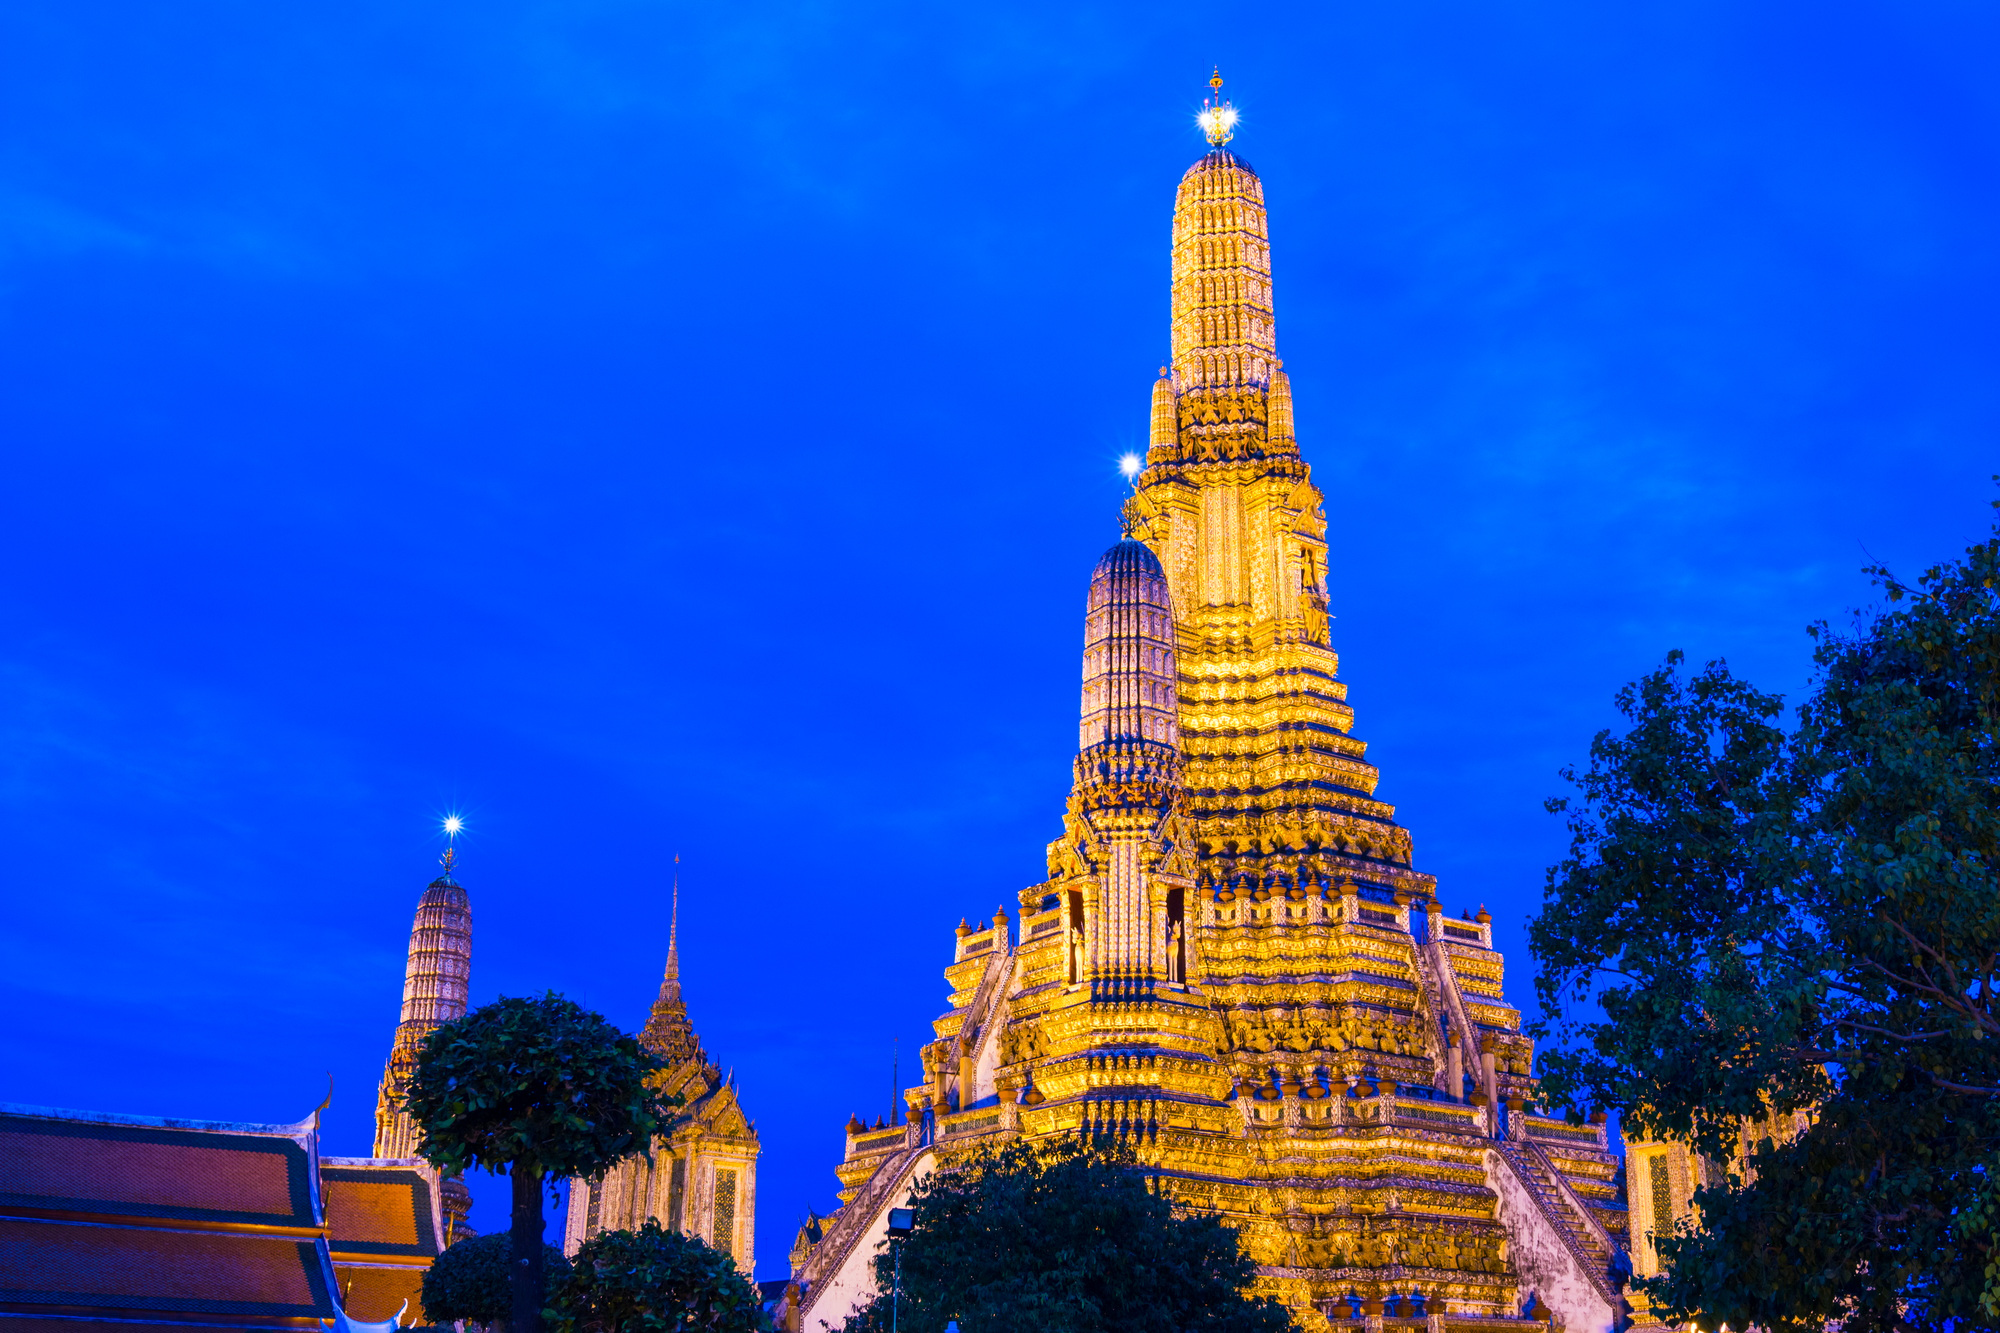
(672, 981)
(668, 1031)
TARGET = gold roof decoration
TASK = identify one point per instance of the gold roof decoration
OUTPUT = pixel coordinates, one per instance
(1217, 118)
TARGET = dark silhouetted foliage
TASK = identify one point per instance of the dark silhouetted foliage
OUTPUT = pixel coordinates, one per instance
(655, 1281)
(1758, 918)
(469, 1280)
(541, 1088)
(1064, 1238)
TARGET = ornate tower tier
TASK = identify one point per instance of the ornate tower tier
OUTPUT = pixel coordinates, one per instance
(1124, 931)
(1223, 332)
(435, 981)
(1129, 677)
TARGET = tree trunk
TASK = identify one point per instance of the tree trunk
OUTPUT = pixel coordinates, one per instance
(524, 1270)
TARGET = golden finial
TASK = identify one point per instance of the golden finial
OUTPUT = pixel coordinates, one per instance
(452, 825)
(1218, 117)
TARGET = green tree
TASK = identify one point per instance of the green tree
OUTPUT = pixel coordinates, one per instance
(1064, 1238)
(469, 1280)
(541, 1088)
(655, 1281)
(1758, 918)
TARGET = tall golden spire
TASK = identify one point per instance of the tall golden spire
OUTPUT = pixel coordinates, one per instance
(1233, 965)
(1276, 783)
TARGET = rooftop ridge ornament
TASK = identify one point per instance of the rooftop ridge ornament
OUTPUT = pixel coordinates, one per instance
(1217, 118)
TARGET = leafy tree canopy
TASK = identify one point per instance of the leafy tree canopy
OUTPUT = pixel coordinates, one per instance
(542, 1087)
(655, 1281)
(469, 1280)
(1758, 919)
(540, 1083)
(1063, 1238)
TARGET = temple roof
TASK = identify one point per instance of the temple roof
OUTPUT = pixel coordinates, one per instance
(372, 1293)
(183, 1170)
(383, 1229)
(128, 1217)
(379, 1206)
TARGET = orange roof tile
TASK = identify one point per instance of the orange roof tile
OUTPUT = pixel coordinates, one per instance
(371, 1293)
(378, 1208)
(243, 1174)
(79, 1267)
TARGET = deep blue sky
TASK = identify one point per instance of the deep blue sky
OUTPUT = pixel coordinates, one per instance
(658, 426)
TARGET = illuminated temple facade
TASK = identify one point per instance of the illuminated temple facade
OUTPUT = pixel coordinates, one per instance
(1234, 964)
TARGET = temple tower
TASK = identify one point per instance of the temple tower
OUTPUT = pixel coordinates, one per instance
(1232, 964)
(1127, 773)
(702, 1180)
(1279, 790)
(435, 981)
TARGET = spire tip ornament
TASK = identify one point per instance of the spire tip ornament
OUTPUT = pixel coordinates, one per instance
(674, 925)
(452, 825)
(1217, 117)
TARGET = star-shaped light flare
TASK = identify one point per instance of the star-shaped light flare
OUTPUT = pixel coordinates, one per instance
(1217, 117)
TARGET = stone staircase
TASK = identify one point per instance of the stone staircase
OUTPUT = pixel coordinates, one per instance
(846, 1227)
(1581, 1235)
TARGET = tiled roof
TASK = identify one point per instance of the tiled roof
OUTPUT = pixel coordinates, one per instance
(371, 1293)
(105, 1219)
(33, 1323)
(379, 1207)
(78, 1264)
(254, 1174)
